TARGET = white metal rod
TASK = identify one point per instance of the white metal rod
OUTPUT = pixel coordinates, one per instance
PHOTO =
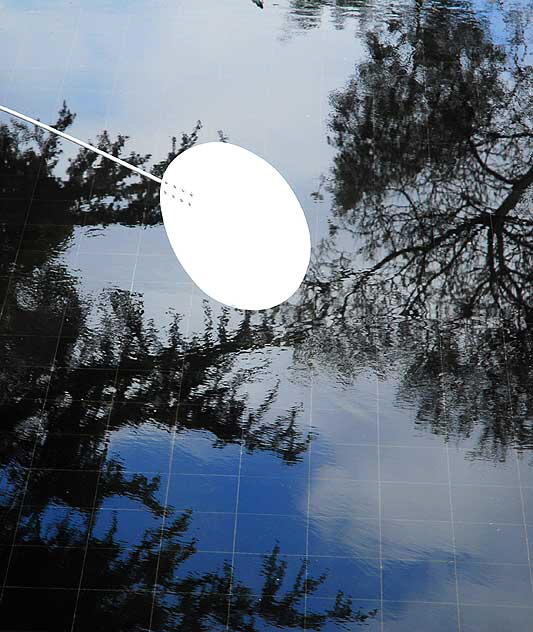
(79, 142)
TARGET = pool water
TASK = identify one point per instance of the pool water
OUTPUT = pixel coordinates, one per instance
(359, 458)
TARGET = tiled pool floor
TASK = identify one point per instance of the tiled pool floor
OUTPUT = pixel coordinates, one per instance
(358, 459)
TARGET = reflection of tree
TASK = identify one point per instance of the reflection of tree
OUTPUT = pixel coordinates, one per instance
(433, 169)
(432, 181)
(192, 601)
(308, 14)
(466, 380)
(204, 373)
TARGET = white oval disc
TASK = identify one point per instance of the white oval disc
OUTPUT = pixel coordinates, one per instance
(235, 225)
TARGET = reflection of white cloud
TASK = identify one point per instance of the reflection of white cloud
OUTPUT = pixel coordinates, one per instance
(151, 72)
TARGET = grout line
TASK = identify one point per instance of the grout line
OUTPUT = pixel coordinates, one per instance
(326, 516)
(311, 408)
(235, 529)
(380, 506)
(92, 517)
(63, 315)
(441, 384)
(292, 516)
(167, 490)
(378, 418)
(454, 546)
(503, 606)
(308, 509)
(301, 555)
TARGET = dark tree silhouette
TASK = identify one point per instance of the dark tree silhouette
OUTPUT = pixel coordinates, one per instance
(432, 182)
(432, 176)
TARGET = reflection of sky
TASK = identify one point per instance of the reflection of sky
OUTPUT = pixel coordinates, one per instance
(223, 66)
(226, 66)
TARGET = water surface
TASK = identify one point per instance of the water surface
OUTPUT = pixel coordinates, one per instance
(358, 458)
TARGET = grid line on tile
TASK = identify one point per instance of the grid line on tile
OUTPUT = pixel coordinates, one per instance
(235, 530)
(441, 358)
(167, 490)
(452, 513)
(68, 61)
(515, 452)
(311, 420)
(308, 502)
(122, 49)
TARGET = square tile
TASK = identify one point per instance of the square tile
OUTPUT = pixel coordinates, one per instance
(414, 464)
(49, 237)
(273, 495)
(23, 383)
(69, 452)
(139, 385)
(495, 618)
(143, 448)
(115, 268)
(491, 543)
(343, 536)
(45, 567)
(268, 574)
(353, 577)
(120, 568)
(260, 534)
(352, 425)
(486, 584)
(404, 616)
(135, 490)
(76, 416)
(419, 580)
(27, 350)
(51, 212)
(50, 609)
(411, 540)
(333, 497)
(200, 452)
(114, 608)
(415, 501)
(211, 531)
(84, 383)
(360, 615)
(196, 569)
(258, 462)
(154, 241)
(203, 492)
(344, 461)
(65, 487)
(465, 468)
(163, 269)
(173, 608)
(127, 528)
(487, 504)
(102, 240)
(16, 448)
(53, 525)
(138, 414)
